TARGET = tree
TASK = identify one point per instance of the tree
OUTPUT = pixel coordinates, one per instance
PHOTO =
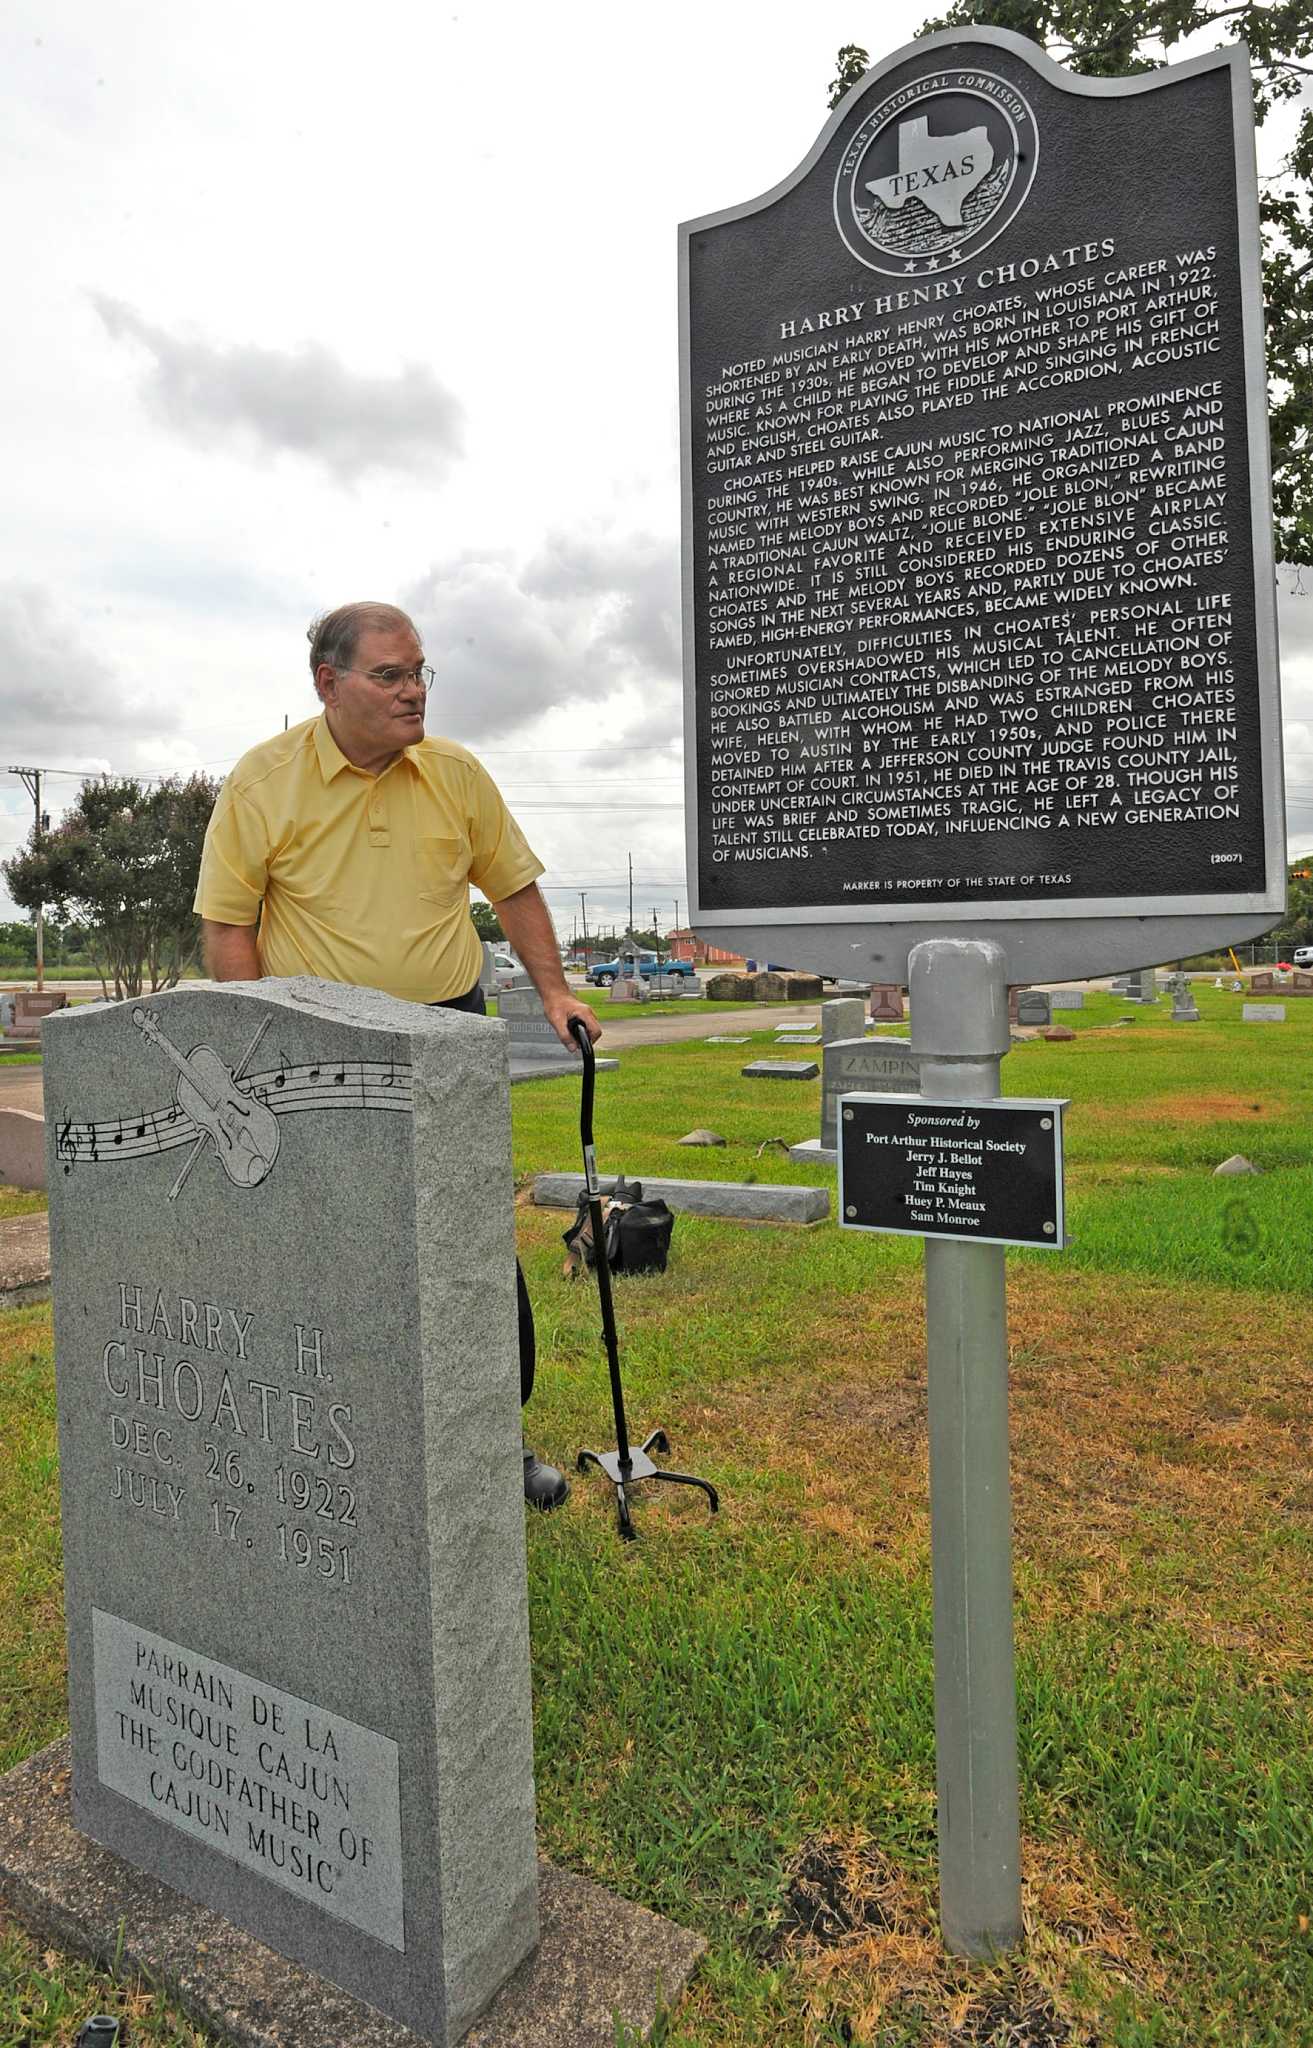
(1111, 38)
(1296, 927)
(123, 862)
(486, 922)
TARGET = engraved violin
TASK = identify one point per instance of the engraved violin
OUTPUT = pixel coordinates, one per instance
(244, 1130)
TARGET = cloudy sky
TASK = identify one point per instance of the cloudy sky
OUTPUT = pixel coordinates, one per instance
(318, 302)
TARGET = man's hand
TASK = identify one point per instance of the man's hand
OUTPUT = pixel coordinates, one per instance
(560, 1009)
(527, 923)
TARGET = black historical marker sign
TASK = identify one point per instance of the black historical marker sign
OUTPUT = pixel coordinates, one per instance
(979, 620)
(990, 1171)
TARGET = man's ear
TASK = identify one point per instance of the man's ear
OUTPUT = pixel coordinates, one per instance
(326, 683)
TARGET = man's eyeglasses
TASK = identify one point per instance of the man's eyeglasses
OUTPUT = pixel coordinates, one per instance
(393, 678)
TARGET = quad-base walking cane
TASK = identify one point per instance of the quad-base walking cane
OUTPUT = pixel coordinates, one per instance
(622, 1465)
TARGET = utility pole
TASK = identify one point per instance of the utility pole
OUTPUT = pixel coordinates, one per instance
(583, 913)
(31, 781)
(631, 895)
(656, 939)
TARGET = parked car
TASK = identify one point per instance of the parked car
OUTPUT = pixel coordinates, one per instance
(603, 972)
(1303, 957)
(506, 969)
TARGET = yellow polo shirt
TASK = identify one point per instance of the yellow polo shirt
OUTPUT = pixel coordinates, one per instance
(363, 878)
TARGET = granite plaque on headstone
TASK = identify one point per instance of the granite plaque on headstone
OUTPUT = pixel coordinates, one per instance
(1263, 1013)
(975, 424)
(1067, 998)
(282, 1244)
(886, 1003)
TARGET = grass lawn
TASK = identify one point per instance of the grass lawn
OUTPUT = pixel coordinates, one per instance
(734, 1716)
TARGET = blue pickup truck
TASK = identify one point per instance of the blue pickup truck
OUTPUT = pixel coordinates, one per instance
(603, 972)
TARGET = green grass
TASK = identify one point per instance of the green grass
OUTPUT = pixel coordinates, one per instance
(731, 1692)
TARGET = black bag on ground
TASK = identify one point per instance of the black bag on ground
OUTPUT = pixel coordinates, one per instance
(637, 1232)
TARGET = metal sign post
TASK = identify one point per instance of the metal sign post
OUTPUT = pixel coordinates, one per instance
(959, 997)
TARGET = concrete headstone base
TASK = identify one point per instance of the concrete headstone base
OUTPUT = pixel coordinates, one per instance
(812, 1149)
(598, 1954)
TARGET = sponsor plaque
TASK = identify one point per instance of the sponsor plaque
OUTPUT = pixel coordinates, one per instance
(990, 1172)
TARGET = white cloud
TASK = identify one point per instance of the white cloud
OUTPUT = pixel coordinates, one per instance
(569, 630)
(300, 402)
(61, 704)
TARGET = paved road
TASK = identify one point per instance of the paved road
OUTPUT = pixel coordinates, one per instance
(20, 1087)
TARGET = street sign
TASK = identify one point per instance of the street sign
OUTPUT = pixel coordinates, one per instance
(983, 1172)
(978, 577)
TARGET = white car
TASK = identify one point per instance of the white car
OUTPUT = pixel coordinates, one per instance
(1303, 957)
(506, 970)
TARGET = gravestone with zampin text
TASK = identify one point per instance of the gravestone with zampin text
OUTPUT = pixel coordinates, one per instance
(288, 1383)
(850, 1065)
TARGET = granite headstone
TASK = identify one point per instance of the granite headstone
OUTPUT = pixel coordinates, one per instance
(1034, 1007)
(842, 1017)
(856, 1065)
(281, 1224)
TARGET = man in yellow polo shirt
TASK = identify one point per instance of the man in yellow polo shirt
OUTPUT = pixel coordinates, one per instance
(345, 848)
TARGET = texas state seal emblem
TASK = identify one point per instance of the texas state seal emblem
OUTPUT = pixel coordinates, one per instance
(935, 172)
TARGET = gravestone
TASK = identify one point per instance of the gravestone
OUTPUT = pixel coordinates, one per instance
(849, 1065)
(886, 1003)
(32, 1008)
(842, 1017)
(780, 1070)
(536, 1053)
(1297, 984)
(1034, 1007)
(1067, 999)
(1148, 985)
(281, 1225)
(1263, 1013)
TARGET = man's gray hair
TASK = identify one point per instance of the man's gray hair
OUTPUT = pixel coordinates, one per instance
(335, 636)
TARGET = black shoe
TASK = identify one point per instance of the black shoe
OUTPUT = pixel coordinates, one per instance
(544, 1487)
